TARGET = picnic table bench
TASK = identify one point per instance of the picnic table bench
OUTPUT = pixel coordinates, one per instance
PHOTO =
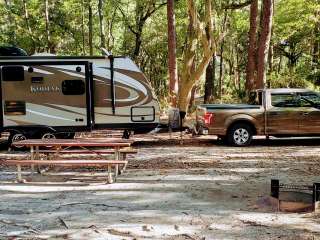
(62, 146)
(70, 163)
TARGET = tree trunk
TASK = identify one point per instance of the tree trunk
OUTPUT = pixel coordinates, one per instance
(138, 42)
(192, 96)
(221, 70)
(190, 72)
(47, 20)
(316, 43)
(237, 71)
(172, 59)
(90, 23)
(280, 64)
(83, 32)
(26, 18)
(110, 39)
(271, 53)
(264, 42)
(101, 23)
(209, 87)
(251, 65)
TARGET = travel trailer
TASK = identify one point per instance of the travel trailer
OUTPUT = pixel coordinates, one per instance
(52, 96)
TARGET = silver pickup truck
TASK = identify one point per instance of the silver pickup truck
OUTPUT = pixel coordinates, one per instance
(270, 112)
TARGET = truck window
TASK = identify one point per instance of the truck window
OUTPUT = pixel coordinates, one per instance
(284, 100)
(12, 73)
(255, 98)
(73, 87)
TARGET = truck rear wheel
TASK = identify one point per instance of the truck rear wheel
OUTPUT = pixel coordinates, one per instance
(240, 135)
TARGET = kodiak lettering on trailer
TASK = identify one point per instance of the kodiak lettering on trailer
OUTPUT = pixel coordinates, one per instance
(40, 89)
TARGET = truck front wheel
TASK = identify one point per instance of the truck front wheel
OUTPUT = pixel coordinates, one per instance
(240, 135)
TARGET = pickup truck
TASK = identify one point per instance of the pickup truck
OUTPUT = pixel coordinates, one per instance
(269, 112)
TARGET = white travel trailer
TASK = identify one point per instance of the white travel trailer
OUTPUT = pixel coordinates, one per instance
(51, 96)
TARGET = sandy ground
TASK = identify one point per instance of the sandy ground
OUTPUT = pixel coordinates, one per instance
(199, 190)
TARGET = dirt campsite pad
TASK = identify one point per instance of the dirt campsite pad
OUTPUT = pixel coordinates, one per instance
(199, 190)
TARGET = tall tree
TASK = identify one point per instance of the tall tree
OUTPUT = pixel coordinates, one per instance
(83, 32)
(316, 40)
(90, 23)
(264, 42)
(47, 21)
(172, 59)
(209, 87)
(221, 67)
(251, 65)
(27, 22)
(101, 24)
(196, 35)
(10, 22)
(143, 11)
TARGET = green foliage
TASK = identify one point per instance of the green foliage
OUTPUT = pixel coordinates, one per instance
(295, 23)
(288, 80)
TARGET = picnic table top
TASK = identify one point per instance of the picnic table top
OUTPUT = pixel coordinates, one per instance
(75, 142)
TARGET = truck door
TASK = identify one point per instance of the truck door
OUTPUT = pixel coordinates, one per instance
(284, 114)
(310, 114)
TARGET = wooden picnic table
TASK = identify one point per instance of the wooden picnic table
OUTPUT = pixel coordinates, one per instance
(64, 144)
(59, 145)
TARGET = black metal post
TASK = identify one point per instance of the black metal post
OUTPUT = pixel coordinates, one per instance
(182, 116)
(113, 98)
(275, 185)
(316, 196)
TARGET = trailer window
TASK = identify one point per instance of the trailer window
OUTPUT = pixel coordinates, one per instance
(73, 87)
(14, 108)
(12, 73)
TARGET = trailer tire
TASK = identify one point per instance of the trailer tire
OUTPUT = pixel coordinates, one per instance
(15, 137)
(48, 135)
(70, 135)
(240, 135)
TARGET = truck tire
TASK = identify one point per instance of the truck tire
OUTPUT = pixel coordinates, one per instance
(240, 135)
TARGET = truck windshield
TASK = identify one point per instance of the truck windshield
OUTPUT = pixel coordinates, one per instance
(311, 97)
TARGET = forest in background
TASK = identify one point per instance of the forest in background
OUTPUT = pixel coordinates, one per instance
(218, 49)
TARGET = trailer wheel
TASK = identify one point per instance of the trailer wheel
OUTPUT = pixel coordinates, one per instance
(48, 136)
(70, 135)
(240, 135)
(16, 137)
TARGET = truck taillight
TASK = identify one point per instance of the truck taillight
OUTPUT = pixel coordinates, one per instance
(208, 118)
